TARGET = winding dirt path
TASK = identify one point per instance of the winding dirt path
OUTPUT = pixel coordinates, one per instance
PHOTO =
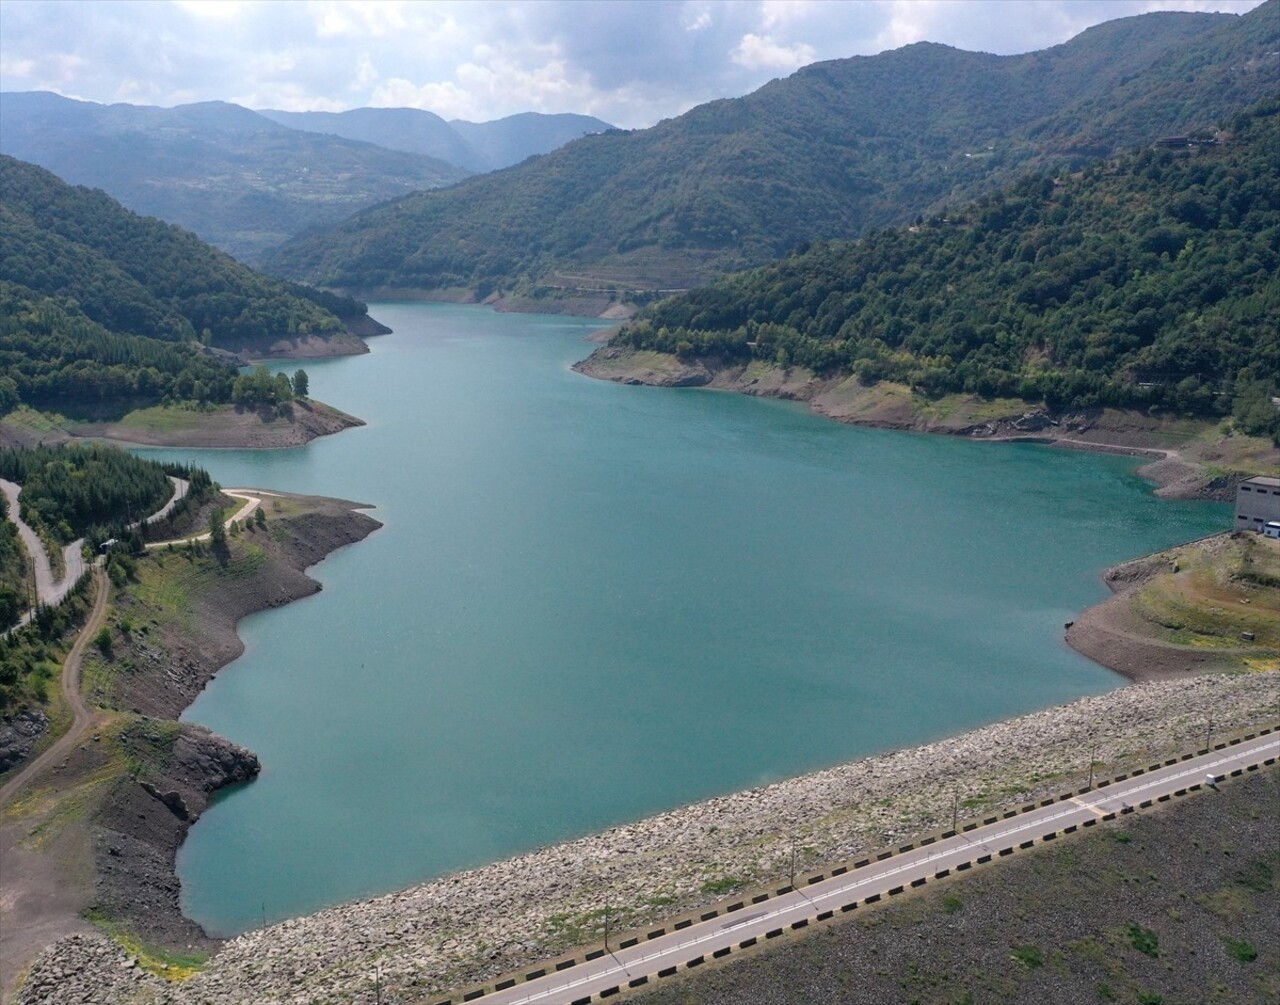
(83, 715)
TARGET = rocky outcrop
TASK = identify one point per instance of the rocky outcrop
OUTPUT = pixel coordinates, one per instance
(19, 736)
(142, 822)
(364, 326)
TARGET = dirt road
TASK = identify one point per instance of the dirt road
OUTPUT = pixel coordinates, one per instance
(83, 715)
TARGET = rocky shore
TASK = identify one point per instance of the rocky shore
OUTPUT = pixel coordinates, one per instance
(475, 925)
(121, 804)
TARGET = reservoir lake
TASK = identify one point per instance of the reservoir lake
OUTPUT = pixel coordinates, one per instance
(592, 601)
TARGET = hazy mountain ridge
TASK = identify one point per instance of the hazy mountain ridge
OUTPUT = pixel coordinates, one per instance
(831, 151)
(234, 177)
(475, 146)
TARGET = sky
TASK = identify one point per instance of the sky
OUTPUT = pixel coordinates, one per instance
(629, 63)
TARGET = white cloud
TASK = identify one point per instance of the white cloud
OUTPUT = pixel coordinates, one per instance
(221, 10)
(18, 68)
(775, 14)
(763, 53)
(630, 62)
(699, 22)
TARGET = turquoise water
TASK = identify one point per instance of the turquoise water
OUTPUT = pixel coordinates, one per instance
(592, 601)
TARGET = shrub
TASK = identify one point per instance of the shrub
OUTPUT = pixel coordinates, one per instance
(1144, 940)
(1242, 950)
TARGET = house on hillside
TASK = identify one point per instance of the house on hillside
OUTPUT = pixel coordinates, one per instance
(1257, 504)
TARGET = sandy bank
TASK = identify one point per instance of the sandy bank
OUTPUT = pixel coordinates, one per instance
(226, 427)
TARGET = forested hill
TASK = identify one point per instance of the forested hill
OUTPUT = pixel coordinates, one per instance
(834, 149)
(1151, 280)
(94, 295)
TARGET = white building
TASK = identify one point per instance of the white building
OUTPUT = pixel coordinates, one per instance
(1257, 504)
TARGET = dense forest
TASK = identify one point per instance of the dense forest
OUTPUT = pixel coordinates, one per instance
(90, 490)
(54, 357)
(833, 150)
(102, 309)
(1152, 280)
(13, 570)
(139, 275)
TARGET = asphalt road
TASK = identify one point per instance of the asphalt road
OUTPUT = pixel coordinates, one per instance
(768, 918)
(53, 591)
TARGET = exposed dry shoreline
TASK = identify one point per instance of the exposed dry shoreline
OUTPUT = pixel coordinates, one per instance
(1176, 471)
(226, 427)
(115, 854)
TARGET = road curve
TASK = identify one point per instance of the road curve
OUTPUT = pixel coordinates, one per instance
(83, 715)
(251, 499)
(49, 591)
(663, 952)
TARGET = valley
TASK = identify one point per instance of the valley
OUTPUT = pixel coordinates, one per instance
(627, 656)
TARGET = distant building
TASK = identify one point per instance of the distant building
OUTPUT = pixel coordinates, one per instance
(1272, 529)
(1257, 504)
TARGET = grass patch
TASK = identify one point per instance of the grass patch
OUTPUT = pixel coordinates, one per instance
(1144, 940)
(721, 885)
(162, 419)
(1029, 956)
(167, 965)
(1240, 949)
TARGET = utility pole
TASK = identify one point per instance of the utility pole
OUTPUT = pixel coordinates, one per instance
(1093, 754)
(955, 811)
(1208, 732)
(606, 928)
(793, 863)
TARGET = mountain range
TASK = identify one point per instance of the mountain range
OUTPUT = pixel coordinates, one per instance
(476, 146)
(1150, 283)
(247, 181)
(833, 151)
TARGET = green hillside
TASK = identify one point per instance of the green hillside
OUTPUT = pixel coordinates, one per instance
(831, 151)
(102, 307)
(1149, 281)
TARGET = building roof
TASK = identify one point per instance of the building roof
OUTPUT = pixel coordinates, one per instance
(1271, 483)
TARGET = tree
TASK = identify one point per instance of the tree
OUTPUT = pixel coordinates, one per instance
(300, 384)
(218, 537)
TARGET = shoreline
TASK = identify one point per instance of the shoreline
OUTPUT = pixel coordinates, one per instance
(835, 813)
(469, 927)
(120, 862)
(225, 428)
(1176, 470)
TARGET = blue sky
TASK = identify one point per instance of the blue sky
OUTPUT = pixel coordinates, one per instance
(630, 63)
